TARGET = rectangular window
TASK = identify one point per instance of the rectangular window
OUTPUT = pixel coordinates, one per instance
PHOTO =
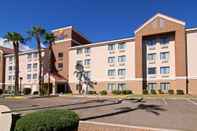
(121, 72)
(121, 86)
(9, 77)
(151, 86)
(60, 65)
(29, 66)
(111, 47)
(29, 56)
(35, 65)
(28, 76)
(10, 68)
(87, 62)
(121, 46)
(150, 42)
(10, 59)
(35, 76)
(164, 55)
(151, 56)
(79, 51)
(165, 87)
(111, 72)
(152, 70)
(88, 74)
(35, 55)
(111, 59)
(122, 58)
(87, 50)
(165, 70)
(164, 40)
(111, 86)
(79, 62)
(60, 55)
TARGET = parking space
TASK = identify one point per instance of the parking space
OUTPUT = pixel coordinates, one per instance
(166, 113)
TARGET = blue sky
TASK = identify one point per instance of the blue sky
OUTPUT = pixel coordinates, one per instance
(97, 19)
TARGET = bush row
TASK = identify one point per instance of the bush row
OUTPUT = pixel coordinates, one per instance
(171, 92)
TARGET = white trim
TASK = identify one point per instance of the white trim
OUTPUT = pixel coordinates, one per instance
(191, 29)
(25, 52)
(193, 77)
(162, 16)
(62, 28)
(64, 40)
(127, 126)
(170, 78)
(104, 42)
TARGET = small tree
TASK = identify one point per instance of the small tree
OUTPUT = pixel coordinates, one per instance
(16, 39)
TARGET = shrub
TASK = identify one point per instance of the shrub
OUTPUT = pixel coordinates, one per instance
(145, 92)
(91, 92)
(103, 92)
(35, 93)
(153, 92)
(179, 92)
(49, 120)
(27, 91)
(1, 91)
(126, 92)
(116, 92)
(171, 92)
(160, 91)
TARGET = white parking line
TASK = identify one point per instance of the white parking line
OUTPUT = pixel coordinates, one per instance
(193, 102)
(164, 101)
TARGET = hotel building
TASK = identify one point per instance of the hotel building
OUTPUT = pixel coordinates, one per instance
(161, 55)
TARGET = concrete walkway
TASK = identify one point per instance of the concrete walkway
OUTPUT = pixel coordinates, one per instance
(5, 119)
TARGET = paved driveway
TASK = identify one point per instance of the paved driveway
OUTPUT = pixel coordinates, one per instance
(156, 113)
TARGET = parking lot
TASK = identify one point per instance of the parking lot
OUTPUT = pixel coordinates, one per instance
(180, 114)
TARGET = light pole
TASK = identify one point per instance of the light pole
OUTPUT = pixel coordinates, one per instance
(21, 78)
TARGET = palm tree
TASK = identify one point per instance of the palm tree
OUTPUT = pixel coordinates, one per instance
(16, 39)
(38, 32)
(50, 39)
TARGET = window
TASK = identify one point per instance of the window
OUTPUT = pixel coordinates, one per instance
(164, 40)
(35, 65)
(29, 66)
(79, 62)
(165, 70)
(35, 55)
(151, 70)
(164, 55)
(35, 76)
(87, 74)
(79, 51)
(10, 59)
(164, 87)
(121, 86)
(121, 72)
(29, 56)
(10, 68)
(111, 72)
(60, 55)
(121, 46)
(87, 62)
(60, 65)
(151, 86)
(28, 76)
(111, 47)
(111, 59)
(122, 58)
(111, 86)
(87, 50)
(151, 56)
(150, 42)
(9, 77)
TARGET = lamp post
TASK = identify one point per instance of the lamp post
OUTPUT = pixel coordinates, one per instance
(21, 78)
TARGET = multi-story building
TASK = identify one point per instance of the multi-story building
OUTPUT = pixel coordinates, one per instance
(161, 55)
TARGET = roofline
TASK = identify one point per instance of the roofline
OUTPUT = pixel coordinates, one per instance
(25, 52)
(61, 28)
(160, 15)
(104, 42)
(191, 29)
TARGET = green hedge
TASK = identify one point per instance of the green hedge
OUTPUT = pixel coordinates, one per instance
(145, 92)
(123, 92)
(49, 120)
(103, 92)
(171, 92)
(1, 91)
(27, 91)
(160, 91)
(153, 92)
(91, 92)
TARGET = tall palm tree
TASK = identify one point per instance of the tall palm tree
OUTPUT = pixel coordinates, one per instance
(16, 39)
(37, 32)
(50, 40)
(80, 74)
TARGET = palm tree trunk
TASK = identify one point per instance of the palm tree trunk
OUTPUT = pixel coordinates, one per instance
(49, 70)
(16, 50)
(40, 64)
